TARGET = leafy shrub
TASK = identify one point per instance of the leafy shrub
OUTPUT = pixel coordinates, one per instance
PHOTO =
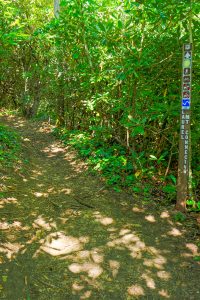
(9, 146)
(112, 161)
(193, 205)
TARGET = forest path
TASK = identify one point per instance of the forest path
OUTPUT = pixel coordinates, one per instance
(64, 236)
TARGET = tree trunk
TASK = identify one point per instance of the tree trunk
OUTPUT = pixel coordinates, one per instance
(56, 8)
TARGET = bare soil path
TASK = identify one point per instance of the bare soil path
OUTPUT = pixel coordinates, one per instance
(64, 236)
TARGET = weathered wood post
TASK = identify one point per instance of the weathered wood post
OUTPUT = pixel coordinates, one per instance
(184, 141)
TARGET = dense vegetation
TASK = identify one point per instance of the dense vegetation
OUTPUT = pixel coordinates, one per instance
(9, 146)
(108, 73)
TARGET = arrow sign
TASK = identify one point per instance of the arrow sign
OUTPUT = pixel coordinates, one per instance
(187, 55)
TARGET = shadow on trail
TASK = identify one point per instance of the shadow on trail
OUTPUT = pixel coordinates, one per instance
(64, 236)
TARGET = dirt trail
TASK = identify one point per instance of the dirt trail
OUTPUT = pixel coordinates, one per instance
(64, 236)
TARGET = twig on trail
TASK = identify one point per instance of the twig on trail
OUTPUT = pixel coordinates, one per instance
(100, 189)
(27, 288)
(8, 212)
(82, 203)
(47, 283)
(73, 206)
(76, 199)
(12, 191)
(55, 204)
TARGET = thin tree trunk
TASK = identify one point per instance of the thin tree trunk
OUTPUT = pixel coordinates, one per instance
(56, 8)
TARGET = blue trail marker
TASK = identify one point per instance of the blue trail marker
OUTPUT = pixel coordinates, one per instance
(186, 103)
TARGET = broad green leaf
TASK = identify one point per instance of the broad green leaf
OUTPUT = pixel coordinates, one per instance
(152, 157)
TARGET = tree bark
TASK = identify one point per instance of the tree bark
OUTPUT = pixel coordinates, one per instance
(56, 8)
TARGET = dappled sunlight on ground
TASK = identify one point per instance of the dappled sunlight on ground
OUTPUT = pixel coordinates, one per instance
(114, 267)
(63, 236)
(53, 150)
(26, 140)
(93, 270)
(164, 294)
(137, 209)
(150, 218)
(175, 232)
(103, 220)
(57, 244)
(15, 225)
(39, 195)
(193, 248)
(40, 222)
(19, 123)
(8, 200)
(194, 251)
(136, 290)
(137, 249)
(164, 215)
(10, 249)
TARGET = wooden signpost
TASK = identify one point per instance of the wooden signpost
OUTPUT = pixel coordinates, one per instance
(184, 141)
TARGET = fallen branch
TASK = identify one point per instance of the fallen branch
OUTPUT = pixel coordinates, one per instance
(82, 203)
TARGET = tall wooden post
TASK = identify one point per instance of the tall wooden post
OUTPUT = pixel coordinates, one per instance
(184, 141)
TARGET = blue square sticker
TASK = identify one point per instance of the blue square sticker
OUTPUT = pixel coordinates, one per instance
(185, 103)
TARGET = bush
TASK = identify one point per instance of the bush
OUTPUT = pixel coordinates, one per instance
(9, 146)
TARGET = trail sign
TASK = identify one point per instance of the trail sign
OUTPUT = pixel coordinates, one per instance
(187, 54)
(184, 141)
(187, 63)
(185, 103)
(187, 47)
(186, 71)
(186, 79)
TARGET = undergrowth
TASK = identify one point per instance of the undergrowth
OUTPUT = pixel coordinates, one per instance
(9, 146)
(135, 173)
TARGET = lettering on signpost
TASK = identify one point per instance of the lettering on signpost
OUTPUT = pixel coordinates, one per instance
(184, 142)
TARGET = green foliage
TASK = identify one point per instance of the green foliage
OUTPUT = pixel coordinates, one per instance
(107, 160)
(193, 205)
(180, 217)
(111, 161)
(9, 146)
(197, 258)
(171, 189)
